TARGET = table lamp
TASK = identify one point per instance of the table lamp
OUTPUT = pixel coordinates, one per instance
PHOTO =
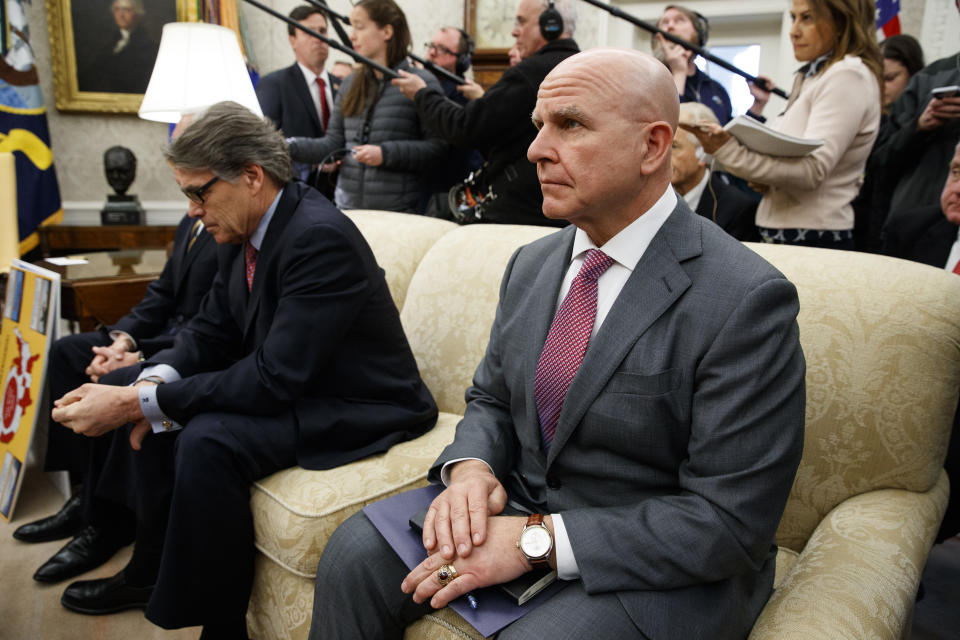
(198, 64)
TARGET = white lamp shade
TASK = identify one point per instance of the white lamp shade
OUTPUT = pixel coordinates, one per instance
(198, 65)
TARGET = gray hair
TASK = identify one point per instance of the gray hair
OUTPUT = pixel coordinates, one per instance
(691, 112)
(227, 137)
(567, 10)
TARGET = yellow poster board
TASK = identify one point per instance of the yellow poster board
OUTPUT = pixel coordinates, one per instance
(30, 313)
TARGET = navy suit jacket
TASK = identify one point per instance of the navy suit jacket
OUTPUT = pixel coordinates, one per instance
(318, 337)
(285, 99)
(730, 208)
(174, 297)
(922, 235)
(679, 437)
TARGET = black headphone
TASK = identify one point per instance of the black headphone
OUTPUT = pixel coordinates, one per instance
(464, 59)
(551, 23)
(702, 27)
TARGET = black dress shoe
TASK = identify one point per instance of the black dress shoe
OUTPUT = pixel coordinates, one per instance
(63, 524)
(87, 551)
(106, 595)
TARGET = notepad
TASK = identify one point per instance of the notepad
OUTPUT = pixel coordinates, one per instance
(753, 134)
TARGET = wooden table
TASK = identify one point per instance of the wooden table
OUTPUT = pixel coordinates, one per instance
(60, 239)
(105, 289)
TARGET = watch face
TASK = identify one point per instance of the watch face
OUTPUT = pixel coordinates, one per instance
(535, 542)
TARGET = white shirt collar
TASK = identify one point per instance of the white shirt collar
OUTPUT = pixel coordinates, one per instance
(629, 245)
(310, 76)
(954, 256)
(692, 197)
(257, 238)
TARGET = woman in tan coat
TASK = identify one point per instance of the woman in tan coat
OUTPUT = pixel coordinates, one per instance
(835, 97)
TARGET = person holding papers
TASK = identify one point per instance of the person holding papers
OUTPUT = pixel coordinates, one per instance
(836, 97)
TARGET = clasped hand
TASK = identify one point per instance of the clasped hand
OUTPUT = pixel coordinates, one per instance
(106, 359)
(495, 561)
(95, 409)
(460, 528)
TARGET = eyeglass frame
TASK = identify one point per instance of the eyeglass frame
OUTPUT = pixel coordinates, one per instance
(440, 48)
(196, 195)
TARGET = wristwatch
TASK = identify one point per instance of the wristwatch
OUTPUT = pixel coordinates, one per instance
(536, 542)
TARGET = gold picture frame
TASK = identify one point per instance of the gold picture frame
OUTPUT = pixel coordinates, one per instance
(79, 82)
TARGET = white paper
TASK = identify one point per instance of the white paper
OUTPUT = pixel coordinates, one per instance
(66, 262)
(751, 133)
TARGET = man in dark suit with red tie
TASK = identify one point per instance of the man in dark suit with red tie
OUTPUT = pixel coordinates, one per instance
(297, 357)
(299, 98)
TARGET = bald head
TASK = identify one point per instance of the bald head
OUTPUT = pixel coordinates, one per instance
(606, 119)
(636, 83)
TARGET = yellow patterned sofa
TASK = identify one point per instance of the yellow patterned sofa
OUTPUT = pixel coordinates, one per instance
(882, 342)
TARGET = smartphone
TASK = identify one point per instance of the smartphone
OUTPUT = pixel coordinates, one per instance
(946, 92)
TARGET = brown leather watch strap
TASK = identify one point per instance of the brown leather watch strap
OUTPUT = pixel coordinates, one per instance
(536, 520)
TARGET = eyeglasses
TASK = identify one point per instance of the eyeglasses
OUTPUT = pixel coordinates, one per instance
(439, 48)
(196, 194)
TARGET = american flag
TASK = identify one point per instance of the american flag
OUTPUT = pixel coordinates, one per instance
(888, 17)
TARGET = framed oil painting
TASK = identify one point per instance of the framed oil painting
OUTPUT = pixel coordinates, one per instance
(103, 51)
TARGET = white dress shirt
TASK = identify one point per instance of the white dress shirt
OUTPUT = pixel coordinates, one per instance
(954, 256)
(159, 421)
(626, 248)
(692, 197)
(311, 78)
(123, 41)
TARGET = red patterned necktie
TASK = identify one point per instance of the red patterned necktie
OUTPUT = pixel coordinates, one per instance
(324, 108)
(250, 258)
(567, 343)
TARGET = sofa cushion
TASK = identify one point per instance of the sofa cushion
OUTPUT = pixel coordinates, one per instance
(296, 510)
(882, 345)
(399, 241)
(451, 302)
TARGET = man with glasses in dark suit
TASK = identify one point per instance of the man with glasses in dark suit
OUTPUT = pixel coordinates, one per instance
(296, 357)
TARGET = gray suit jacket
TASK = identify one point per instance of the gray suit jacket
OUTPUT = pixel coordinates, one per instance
(679, 437)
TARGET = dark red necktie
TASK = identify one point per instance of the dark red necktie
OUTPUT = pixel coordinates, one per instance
(250, 258)
(956, 268)
(567, 342)
(324, 108)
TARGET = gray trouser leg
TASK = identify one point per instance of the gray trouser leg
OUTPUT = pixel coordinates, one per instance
(357, 591)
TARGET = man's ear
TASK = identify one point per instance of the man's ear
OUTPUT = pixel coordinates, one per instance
(659, 140)
(253, 176)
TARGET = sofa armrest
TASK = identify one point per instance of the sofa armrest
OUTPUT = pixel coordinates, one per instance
(857, 577)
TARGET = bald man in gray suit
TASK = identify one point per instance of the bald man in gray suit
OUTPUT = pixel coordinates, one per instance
(642, 394)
